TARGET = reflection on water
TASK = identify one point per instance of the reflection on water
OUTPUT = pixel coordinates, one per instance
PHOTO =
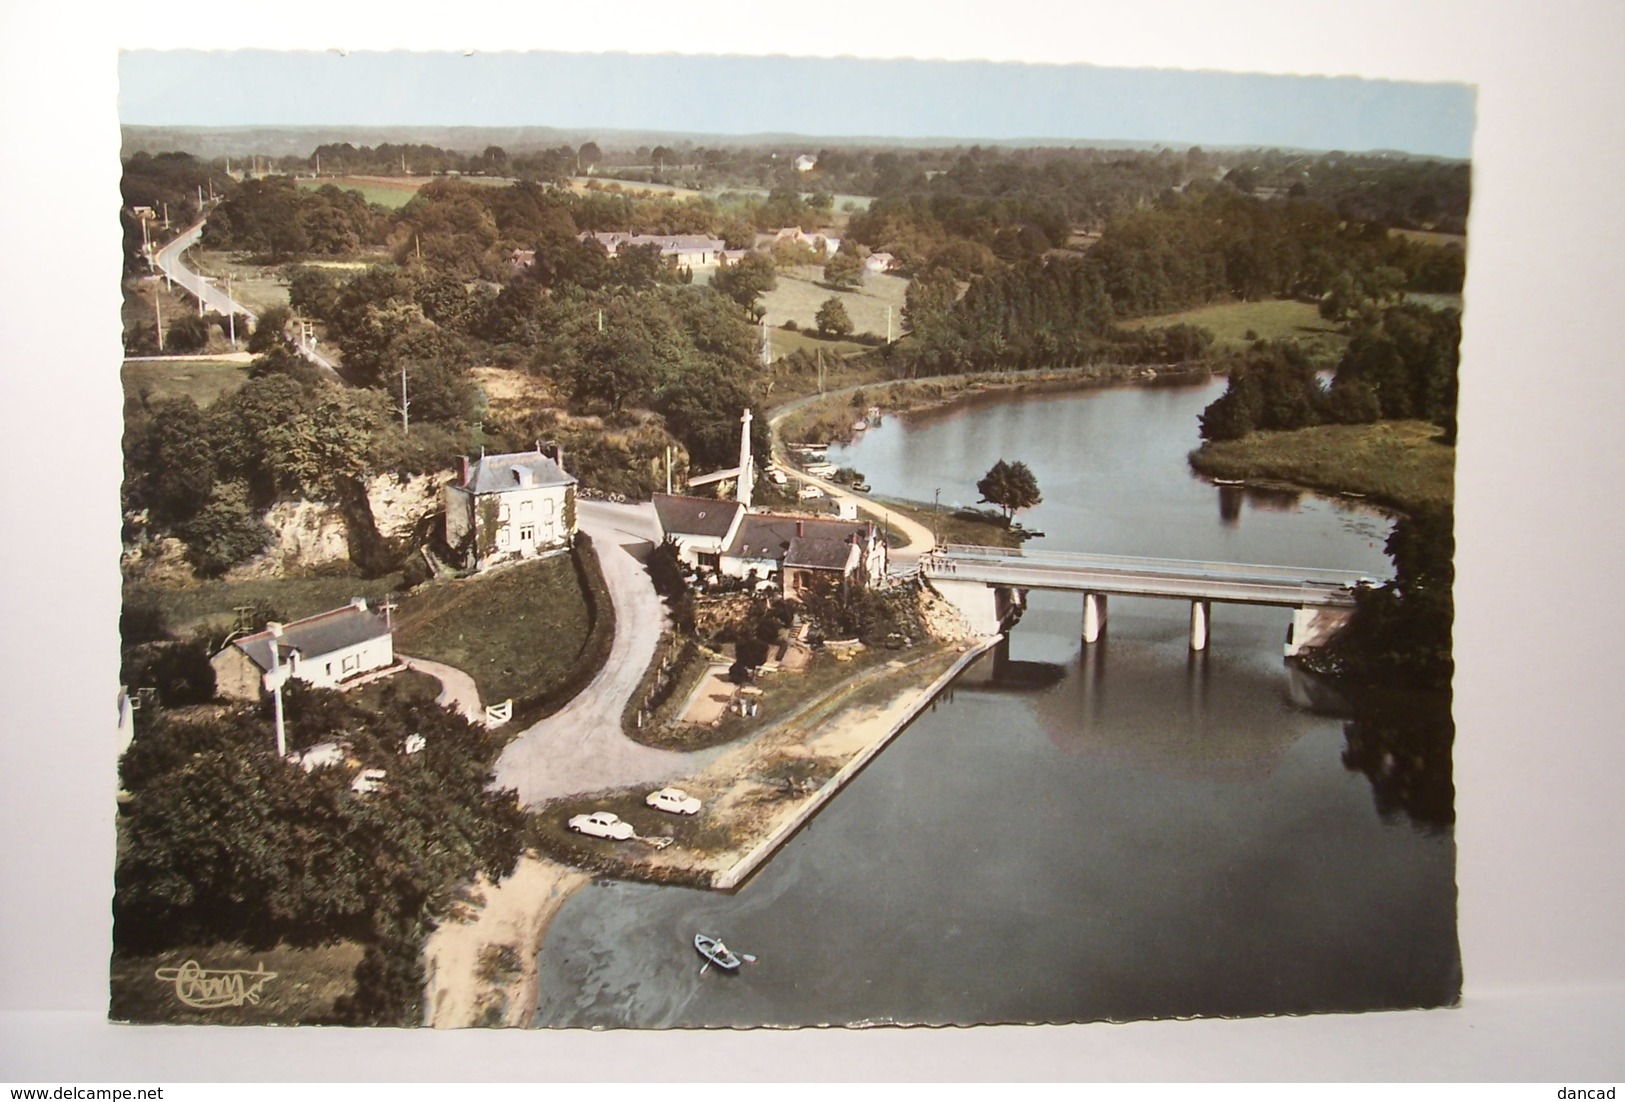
(1071, 833)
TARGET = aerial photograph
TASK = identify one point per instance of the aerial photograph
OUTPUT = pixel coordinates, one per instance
(783, 542)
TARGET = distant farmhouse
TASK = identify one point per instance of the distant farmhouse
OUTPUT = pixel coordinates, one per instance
(691, 250)
(806, 162)
(509, 507)
(324, 650)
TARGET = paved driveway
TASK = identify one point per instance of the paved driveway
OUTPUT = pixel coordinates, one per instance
(581, 748)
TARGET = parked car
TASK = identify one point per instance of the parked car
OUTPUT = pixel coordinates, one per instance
(674, 800)
(602, 824)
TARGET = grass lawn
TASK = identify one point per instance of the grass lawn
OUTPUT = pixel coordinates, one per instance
(516, 631)
(394, 192)
(1276, 319)
(798, 297)
(306, 984)
(202, 381)
(1398, 463)
(956, 525)
(209, 604)
(255, 286)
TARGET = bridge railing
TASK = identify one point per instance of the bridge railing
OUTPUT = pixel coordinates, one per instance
(1312, 575)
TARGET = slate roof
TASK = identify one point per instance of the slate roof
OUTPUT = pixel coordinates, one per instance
(317, 635)
(669, 243)
(492, 474)
(695, 516)
(812, 553)
(820, 543)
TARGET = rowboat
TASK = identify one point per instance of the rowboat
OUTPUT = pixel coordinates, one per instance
(712, 949)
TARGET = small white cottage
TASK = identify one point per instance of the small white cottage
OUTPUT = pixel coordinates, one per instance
(325, 650)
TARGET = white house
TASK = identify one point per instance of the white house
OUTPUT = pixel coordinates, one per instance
(506, 507)
(725, 536)
(324, 650)
(700, 527)
(806, 162)
(692, 250)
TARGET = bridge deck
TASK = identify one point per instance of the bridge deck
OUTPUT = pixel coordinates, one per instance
(1123, 575)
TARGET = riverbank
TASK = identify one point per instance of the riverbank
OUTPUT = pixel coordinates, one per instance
(480, 968)
(1398, 464)
(757, 793)
(830, 419)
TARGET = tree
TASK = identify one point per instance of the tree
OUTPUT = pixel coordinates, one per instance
(747, 280)
(588, 155)
(844, 271)
(268, 333)
(1010, 486)
(832, 319)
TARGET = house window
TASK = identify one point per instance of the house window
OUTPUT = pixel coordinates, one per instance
(502, 537)
(524, 506)
(712, 559)
(351, 663)
(527, 532)
(547, 509)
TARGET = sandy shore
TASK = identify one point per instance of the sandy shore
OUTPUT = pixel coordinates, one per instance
(482, 971)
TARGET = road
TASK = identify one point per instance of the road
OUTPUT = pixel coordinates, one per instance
(170, 262)
(920, 538)
(581, 748)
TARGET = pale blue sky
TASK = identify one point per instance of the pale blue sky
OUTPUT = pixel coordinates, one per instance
(815, 96)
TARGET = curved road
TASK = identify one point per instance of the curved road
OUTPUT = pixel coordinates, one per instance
(581, 748)
(920, 538)
(168, 261)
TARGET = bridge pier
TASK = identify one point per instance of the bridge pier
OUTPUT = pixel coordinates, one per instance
(1199, 617)
(1094, 616)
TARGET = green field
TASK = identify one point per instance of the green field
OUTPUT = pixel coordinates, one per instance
(517, 631)
(200, 380)
(798, 297)
(393, 192)
(1397, 463)
(1274, 319)
(253, 285)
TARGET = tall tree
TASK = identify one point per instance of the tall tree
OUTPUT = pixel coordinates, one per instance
(1010, 486)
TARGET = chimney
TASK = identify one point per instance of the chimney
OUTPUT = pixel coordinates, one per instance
(358, 603)
(275, 629)
(558, 457)
(462, 470)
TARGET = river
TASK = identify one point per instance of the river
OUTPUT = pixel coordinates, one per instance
(1070, 834)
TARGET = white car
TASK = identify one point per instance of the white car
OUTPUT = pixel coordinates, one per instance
(674, 800)
(602, 824)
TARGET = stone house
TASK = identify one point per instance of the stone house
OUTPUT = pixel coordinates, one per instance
(502, 508)
(325, 650)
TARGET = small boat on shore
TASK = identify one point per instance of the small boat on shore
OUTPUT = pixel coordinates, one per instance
(712, 949)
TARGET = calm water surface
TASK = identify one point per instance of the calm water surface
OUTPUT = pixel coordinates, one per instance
(1069, 833)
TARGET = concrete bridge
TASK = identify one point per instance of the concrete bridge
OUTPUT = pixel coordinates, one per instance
(989, 585)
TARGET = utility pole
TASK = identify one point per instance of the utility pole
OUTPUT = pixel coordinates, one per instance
(231, 314)
(405, 405)
(820, 371)
(936, 512)
(158, 312)
(277, 678)
(668, 469)
(166, 216)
